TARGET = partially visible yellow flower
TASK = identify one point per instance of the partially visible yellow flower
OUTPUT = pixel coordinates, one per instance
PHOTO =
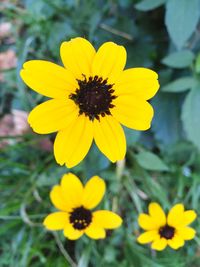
(75, 203)
(162, 230)
(91, 96)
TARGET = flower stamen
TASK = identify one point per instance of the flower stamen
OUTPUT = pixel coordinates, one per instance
(167, 232)
(94, 97)
(80, 218)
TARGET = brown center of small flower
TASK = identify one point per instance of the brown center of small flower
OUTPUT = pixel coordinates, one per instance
(94, 97)
(167, 232)
(80, 218)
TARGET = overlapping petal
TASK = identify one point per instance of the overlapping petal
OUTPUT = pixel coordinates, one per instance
(93, 193)
(48, 79)
(109, 61)
(148, 237)
(132, 112)
(72, 144)
(159, 244)
(53, 115)
(142, 83)
(175, 215)
(77, 56)
(186, 233)
(157, 214)
(106, 219)
(109, 137)
(56, 221)
(146, 222)
(57, 199)
(176, 242)
(95, 232)
(72, 233)
(72, 190)
(188, 217)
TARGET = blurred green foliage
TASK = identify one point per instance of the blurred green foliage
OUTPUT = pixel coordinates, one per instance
(162, 164)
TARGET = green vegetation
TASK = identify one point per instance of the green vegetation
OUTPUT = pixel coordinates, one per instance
(162, 164)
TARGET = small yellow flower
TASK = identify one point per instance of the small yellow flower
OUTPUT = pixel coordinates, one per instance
(91, 96)
(164, 230)
(75, 202)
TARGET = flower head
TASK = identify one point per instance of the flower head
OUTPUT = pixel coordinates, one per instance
(164, 230)
(75, 203)
(92, 95)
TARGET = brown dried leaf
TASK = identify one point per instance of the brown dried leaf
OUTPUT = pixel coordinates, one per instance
(8, 60)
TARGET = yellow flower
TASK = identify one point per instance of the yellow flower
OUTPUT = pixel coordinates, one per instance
(75, 202)
(91, 96)
(164, 230)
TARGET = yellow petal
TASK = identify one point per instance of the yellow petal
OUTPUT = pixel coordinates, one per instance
(72, 190)
(186, 233)
(106, 219)
(132, 112)
(157, 214)
(176, 242)
(77, 56)
(146, 222)
(52, 115)
(48, 79)
(58, 200)
(188, 217)
(109, 61)
(95, 232)
(72, 233)
(110, 139)
(148, 237)
(140, 82)
(56, 221)
(175, 215)
(93, 192)
(72, 144)
(159, 244)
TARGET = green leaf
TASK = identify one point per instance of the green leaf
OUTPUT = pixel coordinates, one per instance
(181, 19)
(197, 64)
(131, 136)
(191, 115)
(179, 85)
(147, 5)
(181, 59)
(166, 124)
(150, 161)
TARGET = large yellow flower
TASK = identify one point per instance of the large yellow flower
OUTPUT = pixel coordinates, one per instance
(91, 96)
(75, 203)
(164, 230)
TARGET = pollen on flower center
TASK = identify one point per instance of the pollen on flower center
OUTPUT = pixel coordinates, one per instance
(167, 232)
(80, 218)
(94, 97)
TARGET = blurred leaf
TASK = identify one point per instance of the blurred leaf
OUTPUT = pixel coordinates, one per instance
(181, 59)
(131, 136)
(39, 10)
(147, 5)
(191, 115)
(150, 161)
(181, 19)
(166, 123)
(197, 64)
(179, 85)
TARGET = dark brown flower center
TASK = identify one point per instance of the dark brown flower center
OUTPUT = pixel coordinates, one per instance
(167, 232)
(80, 218)
(94, 97)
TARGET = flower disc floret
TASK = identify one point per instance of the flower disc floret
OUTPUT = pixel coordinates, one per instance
(94, 97)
